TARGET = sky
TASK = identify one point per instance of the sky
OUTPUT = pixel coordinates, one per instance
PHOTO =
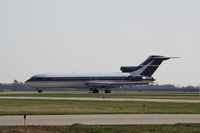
(80, 36)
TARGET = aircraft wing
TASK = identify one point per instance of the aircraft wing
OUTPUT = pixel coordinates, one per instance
(106, 84)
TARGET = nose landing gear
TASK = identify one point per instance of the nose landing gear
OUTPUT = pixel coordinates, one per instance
(39, 90)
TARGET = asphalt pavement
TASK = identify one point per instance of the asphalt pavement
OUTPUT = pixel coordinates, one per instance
(104, 99)
(115, 119)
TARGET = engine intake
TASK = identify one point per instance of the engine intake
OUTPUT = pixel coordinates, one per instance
(127, 69)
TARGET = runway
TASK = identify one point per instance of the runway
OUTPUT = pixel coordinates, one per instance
(104, 99)
(118, 119)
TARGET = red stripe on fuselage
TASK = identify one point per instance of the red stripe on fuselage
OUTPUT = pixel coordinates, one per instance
(93, 81)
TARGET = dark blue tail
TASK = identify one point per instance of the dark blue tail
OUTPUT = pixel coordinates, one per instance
(146, 68)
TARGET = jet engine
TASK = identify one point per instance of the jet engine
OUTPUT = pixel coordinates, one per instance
(140, 78)
(127, 69)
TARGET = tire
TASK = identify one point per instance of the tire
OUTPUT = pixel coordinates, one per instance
(107, 91)
(40, 91)
(95, 91)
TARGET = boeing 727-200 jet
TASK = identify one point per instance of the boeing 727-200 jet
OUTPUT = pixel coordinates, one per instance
(130, 75)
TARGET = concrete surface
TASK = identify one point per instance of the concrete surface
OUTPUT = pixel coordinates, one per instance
(101, 119)
(104, 99)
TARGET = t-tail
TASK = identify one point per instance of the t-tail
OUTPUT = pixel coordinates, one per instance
(146, 68)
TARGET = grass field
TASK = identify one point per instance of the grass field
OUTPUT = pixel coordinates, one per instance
(47, 107)
(112, 95)
(78, 128)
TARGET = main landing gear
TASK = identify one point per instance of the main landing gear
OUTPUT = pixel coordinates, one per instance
(95, 90)
(107, 91)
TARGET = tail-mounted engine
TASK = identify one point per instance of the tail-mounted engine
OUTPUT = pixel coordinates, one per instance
(128, 69)
(141, 78)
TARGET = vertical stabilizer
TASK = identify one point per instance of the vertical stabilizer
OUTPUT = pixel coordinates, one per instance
(150, 65)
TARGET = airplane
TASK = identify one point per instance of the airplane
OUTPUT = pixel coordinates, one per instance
(129, 75)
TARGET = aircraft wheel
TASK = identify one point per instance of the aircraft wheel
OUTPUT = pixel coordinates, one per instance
(107, 91)
(95, 91)
(39, 90)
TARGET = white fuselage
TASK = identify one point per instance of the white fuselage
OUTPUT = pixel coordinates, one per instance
(75, 80)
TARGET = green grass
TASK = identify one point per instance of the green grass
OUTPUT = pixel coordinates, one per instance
(112, 95)
(47, 107)
(79, 128)
(178, 128)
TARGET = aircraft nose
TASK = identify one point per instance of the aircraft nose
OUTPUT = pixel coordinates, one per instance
(27, 81)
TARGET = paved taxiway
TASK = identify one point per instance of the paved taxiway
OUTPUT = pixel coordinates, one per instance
(101, 119)
(104, 99)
